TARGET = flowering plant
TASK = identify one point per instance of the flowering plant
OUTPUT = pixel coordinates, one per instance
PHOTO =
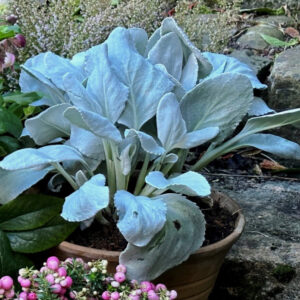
(74, 279)
(128, 111)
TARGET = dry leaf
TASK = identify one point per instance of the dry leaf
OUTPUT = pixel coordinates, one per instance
(292, 32)
(271, 165)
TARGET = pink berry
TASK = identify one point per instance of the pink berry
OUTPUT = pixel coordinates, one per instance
(53, 263)
(56, 288)
(0, 284)
(173, 294)
(134, 297)
(62, 272)
(9, 294)
(26, 283)
(146, 286)
(120, 277)
(23, 296)
(106, 295)
(160, 287)
(115, 296)
(79, 260)
(72, 295)
(7, 282)
(44, 270)
(32, 296)
(121, 268)
(152, 295)
(50, 278)
(63, 291)
(67, 282)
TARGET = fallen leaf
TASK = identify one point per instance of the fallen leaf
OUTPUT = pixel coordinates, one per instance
(271, 165)
(292, 32)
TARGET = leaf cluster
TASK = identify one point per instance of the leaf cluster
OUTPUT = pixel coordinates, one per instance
(121, 120)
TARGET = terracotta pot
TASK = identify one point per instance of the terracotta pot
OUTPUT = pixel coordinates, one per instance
(194, 279)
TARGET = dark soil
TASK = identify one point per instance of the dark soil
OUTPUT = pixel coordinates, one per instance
(219, 224)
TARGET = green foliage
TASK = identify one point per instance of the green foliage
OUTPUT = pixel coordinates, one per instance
(10, 262)
(284, 273)
(14, 108)
(30, 224)
(278, 43)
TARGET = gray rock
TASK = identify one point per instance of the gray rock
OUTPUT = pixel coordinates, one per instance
(284, 80)
(265, 263)
(259, 64)
(252, 38)
(276, 20)
(250, 4)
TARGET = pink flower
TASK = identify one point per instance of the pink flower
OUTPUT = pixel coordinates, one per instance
(146, 286)
(152, 295)
(105, 295)
(23, 296)
(120, 277)
(9, 60)
(121, 268)
(173, 294)
(62, 272)
(50, 278)
(26, 283)
(32, 296)
(19, 40)
(7, 282)
(67, 282)
(53, 263)
(56, 288)
(115, 296)
(160, 287)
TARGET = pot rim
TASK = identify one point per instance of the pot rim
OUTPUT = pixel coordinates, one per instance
(203, 251)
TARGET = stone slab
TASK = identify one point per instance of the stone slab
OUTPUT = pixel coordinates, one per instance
(269, 244)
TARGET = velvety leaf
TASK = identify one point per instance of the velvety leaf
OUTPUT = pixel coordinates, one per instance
(178, 90)
(126, 157)
(140, 38)
(29, 212)
(92, 145)
(140, 218)
(226, 64)
(13, 183)
(190, 73)
(189, 183)
(268, 122)
(197, 138)
(87, 201)
(93, 122)
(49, 124)
(181, 236)
(148, 143)
(170, 124)
(105, 88)
(34, 81)
(30, 157)
(169, 25)
(271, 143)
(168, 52)
(9, 123)
(43, 238)
(214, 103)
(146, 83)
(259, 108)
(154, 38)
(11, 262)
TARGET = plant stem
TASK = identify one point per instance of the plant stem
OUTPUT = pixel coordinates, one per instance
(64, 173)
(142, 175)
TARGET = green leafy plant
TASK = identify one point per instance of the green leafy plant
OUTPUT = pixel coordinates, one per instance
(278, 43)
(128, 112)
(14, 108)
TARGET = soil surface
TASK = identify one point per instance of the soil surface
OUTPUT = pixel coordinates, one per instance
(219, 224)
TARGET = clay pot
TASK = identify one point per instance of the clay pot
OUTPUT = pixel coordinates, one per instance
(194, 279)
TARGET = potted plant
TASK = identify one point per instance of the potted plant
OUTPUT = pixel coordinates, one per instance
(132, 108)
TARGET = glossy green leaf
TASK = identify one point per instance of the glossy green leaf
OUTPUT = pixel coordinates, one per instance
(11, 262)
(29, 212)
(22, 98)
(9, 144)
(51, 234)
(9, 123)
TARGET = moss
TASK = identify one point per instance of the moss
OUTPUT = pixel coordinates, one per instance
(284, 273)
